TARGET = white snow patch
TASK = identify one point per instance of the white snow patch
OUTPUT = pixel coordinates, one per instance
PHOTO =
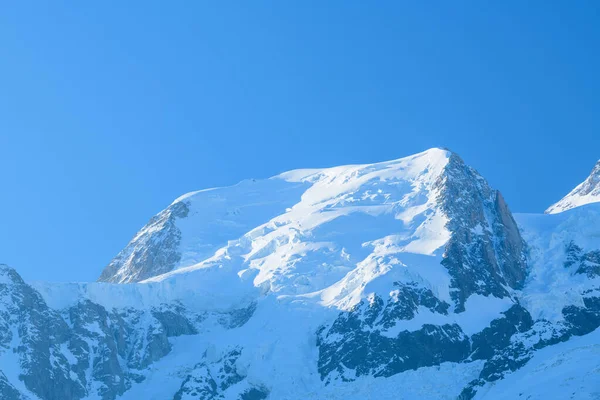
(479, 312)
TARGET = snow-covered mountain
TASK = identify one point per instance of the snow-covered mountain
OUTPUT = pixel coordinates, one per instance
(586, 192)
(396, 280)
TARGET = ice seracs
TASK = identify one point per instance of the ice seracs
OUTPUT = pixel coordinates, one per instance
(283, 210)
(313, 230)
(586, 192)
(402, 279)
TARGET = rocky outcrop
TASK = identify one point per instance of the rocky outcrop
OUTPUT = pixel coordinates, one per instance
(511, 342)
(213, 380)
(8, 391)
(87, 350)
(356, 277)
(363, 341)
(36, 335)
(587, 263)
(153, 250)
(485, 254)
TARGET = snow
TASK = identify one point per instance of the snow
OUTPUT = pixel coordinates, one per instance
(253, 216)
(10, 365)
(479, 312)
(440, 382)
(220, 215)
(284, 359)
(308, 244)
(304, 245)
(550, 286)
(201, 291)
(64, 349)
(324, 240)
(5, 279)
(586, 192)
(297, 233)
(569, 370)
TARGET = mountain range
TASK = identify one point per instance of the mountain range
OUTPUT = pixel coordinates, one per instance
(396, 280)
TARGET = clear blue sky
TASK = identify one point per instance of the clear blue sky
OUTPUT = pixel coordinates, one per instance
(110, 111)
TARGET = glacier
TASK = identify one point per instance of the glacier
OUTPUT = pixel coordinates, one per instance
(396, 280)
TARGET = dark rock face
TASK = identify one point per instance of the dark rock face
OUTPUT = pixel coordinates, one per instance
(255, 394)
(493, 340)
(358, 343)
(585, 263)
(39, 333)
(371, 353)
(495, 344)
(239, 317)
(583, 320)
(509, 337)
(113, 345)
(87, 349)
(354, 345)
(510, 355)
(485, 253)
(153, 251)
(211, 380)
(7, 391)
(408, 297)
(174, 321)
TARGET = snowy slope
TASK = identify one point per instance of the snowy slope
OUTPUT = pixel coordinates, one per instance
(334, 224)
(396, 280)
(318, 225)
(569, 370)
(586, 192)
(562, 251)
(287, 206)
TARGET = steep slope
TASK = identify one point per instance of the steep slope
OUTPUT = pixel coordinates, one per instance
(562, 296)
(318, 225)
(405, 279)
(567, 370)
(72, 341)
(586, 192)
(197, 224)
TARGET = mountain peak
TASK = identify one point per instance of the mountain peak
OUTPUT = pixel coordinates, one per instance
(586, 192)
(199, 223)
(596, 170)
(339, 283)
(8, 275)
(332, 231)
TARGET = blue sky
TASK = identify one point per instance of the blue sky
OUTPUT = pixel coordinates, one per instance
(110, 111)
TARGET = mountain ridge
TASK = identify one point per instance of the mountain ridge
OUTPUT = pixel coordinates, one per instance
(586, 192)
(325, 283)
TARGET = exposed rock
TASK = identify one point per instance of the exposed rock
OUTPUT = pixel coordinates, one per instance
(586, 192)
(212, 380)
(7, 391)
(153, 250)
(587, 263)
(331, 278)
(486, 253)
(358, 343)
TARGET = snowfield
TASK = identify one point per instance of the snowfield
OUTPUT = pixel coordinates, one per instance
(395, 280)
